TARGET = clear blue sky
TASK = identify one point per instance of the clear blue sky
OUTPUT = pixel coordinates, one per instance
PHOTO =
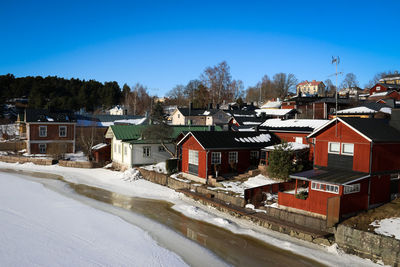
(164, 43)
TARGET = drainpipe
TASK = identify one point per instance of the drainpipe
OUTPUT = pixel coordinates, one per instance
(370, 172)
(207, 166)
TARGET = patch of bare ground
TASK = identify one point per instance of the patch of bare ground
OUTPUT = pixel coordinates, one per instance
(363, 220)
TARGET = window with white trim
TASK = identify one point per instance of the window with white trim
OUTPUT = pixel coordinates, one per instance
(125, 150)
(378, 88)
(115, 148)
(253, 154)
(215, 157)
(349, 189)
(347, 149)
(42, 131)
(194, 157)
(119, 149)
(233, 157)
(146, 151)
(62, 131)
(325, 187)
(334, 147)
(42, 148)
(299, 140)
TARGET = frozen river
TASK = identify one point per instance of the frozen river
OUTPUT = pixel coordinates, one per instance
(179, 228)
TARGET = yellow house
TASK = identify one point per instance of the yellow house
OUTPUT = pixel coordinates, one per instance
(311, 88)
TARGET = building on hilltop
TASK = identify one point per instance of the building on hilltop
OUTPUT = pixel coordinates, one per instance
(391, 78)
(312, 88)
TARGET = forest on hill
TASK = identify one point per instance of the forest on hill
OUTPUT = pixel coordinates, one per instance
(60, 93)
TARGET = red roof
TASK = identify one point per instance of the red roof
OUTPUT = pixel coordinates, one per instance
(313, 82)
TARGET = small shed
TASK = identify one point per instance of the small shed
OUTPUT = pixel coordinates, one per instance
(101, 153)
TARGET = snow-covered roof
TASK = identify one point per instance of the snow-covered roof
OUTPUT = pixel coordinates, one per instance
(361, 110)
(131, 121)
(273, 112)
(291, 145)
(278, 123)
(386, 110)
(255, 139)
(380, 94)
(272, 104)
(98, 146)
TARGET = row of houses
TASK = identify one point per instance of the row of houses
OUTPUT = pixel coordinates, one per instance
(355, 159)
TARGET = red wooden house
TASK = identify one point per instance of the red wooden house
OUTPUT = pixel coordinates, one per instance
(295, 130)
(48, 132)
(384, 87)
(207, 154)
(354, 161)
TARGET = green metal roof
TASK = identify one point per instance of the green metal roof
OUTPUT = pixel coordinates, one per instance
(127, 132)
(133, 133)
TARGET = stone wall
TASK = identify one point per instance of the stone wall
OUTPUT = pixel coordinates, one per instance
(368, 245)
(164, 179)
(38, 161)
(298, 219)
(78, 164)
(155, 177)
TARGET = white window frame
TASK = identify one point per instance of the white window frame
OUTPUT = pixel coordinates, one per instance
(42, 148)
(297, 139)
(65, 131)
(146, 151)
(378, 88)
(350, 189)
(329, 148)
(215, 157)
(115, 148)
(119, 148)
(233, 157)
(254, 154)
(346, 153)
(193, 157)
(334, 189)
(125, 150)
(40, 131)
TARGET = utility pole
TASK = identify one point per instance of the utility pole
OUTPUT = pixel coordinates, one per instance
(336, 61)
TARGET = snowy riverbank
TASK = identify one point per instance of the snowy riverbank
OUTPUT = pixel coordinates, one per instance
(43, 228)
(114, 181)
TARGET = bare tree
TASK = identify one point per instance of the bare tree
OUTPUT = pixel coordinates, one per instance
(139, 101)
(284, 83)
(379, 76)
(237, 89)
(350, 80)
(177, 94)
(217, 80)
(330, 88)
(87, 137)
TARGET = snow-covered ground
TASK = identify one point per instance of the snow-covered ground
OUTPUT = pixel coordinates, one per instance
(159, 167)
(238, 187)
(389, 227)
(78, 156)
(42, 228)
(117, 182)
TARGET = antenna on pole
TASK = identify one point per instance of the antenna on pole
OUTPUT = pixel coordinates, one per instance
(336, 61)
